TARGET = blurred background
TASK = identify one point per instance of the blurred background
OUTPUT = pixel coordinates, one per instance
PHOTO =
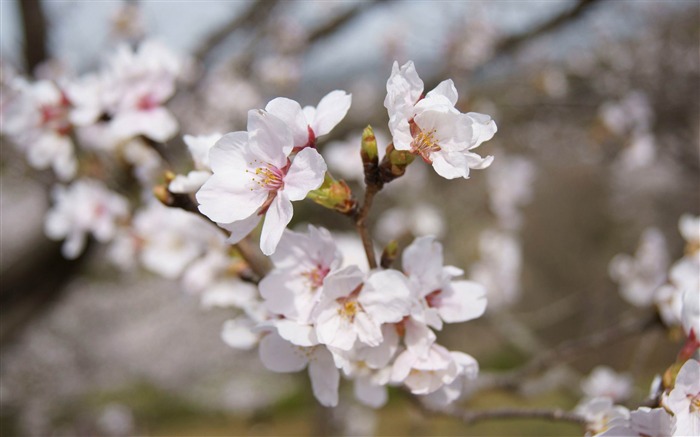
(598, 111)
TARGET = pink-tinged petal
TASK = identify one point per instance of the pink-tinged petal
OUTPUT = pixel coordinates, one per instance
(450, 166)
(330, 111)
(447, 89)
(270, 137)
(342, 282)
(241, 228)
(305, 174)
(418, 337)
(374, 396)
(296, 333)
(402, 366)
(226, 199)
(277, 218)
(157, 124)
(379, 357)
(230, 154)
(368, 331)
(462, 301)
(422, 262)
(325, 377)
(291, 113)
(279, 299)
(279, 355)
(386, 296)
(484, 128)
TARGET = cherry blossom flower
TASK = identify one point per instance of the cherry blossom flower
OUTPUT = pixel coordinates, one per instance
(642, 422)
(253, 176)
(604, 381)
(199, 147)
(452, 301)
(640, 276)
(309, 123)
(432, 127)
(602, 414)
(166, 240)
(425, 374)
(86, 206)
(37, 120)
(351, 310)
(499, 267)
(684, 400)
(302, 262)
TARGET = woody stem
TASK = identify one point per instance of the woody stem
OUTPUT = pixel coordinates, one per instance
(361, 225)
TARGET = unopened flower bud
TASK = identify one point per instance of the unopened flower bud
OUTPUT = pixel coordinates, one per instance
(369, 152)
(389, 254)
(394, 163)
(334, 195)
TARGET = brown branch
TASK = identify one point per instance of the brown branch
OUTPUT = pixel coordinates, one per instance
(470, 417)
(34, 28)
(570, 348)
(251, 17)
(511, 43)
(337, 22)
(361, 225)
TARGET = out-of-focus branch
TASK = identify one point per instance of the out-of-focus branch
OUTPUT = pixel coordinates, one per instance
(34, 28)
(251, 17)
(470, 417)
(569, 349)
(337, 22)
(511, 43)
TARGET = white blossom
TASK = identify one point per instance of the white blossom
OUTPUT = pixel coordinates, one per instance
(684, 400)
(253, 176)
(604, 381)
(432, 127)
(85, 207)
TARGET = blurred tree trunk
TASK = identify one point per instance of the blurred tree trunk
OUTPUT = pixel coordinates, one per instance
(34, 28)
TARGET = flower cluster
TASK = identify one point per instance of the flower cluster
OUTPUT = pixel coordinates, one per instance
(679, 414)
(376, 327)
(646, 280)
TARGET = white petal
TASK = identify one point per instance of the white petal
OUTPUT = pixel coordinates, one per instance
(386, 296)
(447, 89)
(279, 355)
(305, 174)
(229, 153)
(330, 111)
(368, 331)
(464, 300)
(298, 334)
(241, 228)
(342, 282)
(226, 199)
(276, 220)
(325, 377)
(238, 333)
(484, 128)
(291, 113)
(418, 337)
(422, 261)
(190, 183)
(374, 396)
(450, 166)
(270, 137)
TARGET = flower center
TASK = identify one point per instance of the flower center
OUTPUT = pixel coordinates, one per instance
(424, 143)
(694, 403)
(268, 177)
(348, 310)
(315, 276)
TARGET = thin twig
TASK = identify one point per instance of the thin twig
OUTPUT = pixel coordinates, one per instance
(361, 225)
(470, 417)
(568, 349)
